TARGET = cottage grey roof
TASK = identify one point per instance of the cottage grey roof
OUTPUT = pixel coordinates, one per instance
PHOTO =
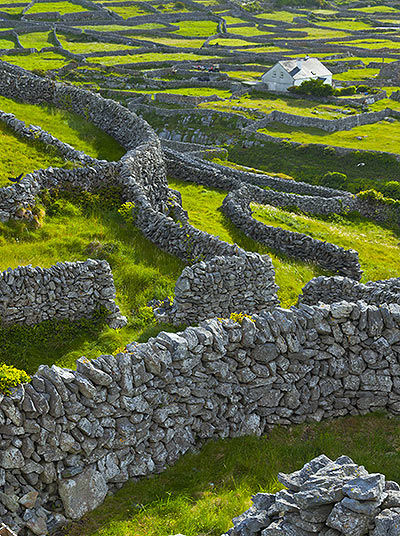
(302, 68)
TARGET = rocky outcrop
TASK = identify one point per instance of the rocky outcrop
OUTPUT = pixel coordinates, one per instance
(328, 498)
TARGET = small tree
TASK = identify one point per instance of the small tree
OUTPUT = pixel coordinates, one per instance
(315, 87)
(334, 179)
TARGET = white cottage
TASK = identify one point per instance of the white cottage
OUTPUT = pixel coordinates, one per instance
(289, 73)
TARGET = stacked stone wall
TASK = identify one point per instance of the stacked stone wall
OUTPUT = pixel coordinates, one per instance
(334, 289)
(141, 176)
(336, 259)
(81, 433)
(65, 291)
(329, 125)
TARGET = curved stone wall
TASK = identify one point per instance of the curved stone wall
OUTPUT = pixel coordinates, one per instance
(141, 175)
(73, 435)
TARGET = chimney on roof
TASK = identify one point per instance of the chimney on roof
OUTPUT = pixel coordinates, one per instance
(307, 57)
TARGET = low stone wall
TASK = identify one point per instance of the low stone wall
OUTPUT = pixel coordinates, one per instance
(35, 133)
(329, 125)
(70, 436)
(65, 291)
(325, 497)
(188, 167)
(222, 286)
(334, 289)
(336, 259)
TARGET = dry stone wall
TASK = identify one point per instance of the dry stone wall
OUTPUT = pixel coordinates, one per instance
(141, 176)
(336, 259)
(65, 291)
(333, 289)
(70, 436)
(221, 285)
(329, 125)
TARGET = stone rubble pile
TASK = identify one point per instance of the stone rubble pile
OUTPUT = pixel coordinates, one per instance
(325, 498)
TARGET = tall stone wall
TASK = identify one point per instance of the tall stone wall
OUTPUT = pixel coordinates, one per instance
(71, 436)
(65, 291)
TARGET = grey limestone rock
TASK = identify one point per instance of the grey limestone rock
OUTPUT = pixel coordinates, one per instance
(82, 493)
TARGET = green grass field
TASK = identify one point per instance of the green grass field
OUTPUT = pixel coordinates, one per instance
(81, 47)
(381, 136)
(67, 127)
(141, 272)
(44, 61)
(18, 156)
(197, 28)
(268, 102)
(61, 7)
(202, 492)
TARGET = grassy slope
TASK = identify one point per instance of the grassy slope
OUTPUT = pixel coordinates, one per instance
(202, 492)
(377, 246)
(67, 127)
(380, 136)
(17, 156)
(141, 272)
(44, 61)
(268, 102)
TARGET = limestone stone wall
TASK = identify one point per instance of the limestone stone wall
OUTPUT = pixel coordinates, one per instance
(65, 291)
(336, 259)
(332, 289)
(221, 285)
(330, 125)
(70, 436)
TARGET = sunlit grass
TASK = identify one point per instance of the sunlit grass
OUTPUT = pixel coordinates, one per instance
(141, 272)
(18, 156)
(380, 136)
(378, 247)
(200, 28)
(43, 61)
(61, 7)
(67, 127)
(202, 492)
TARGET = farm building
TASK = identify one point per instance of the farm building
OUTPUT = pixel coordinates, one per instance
(287, 73)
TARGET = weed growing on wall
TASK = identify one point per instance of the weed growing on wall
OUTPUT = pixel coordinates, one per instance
(11, 377)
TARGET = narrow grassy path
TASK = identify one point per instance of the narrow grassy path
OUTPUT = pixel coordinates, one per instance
(203, 204)
(202, 492)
